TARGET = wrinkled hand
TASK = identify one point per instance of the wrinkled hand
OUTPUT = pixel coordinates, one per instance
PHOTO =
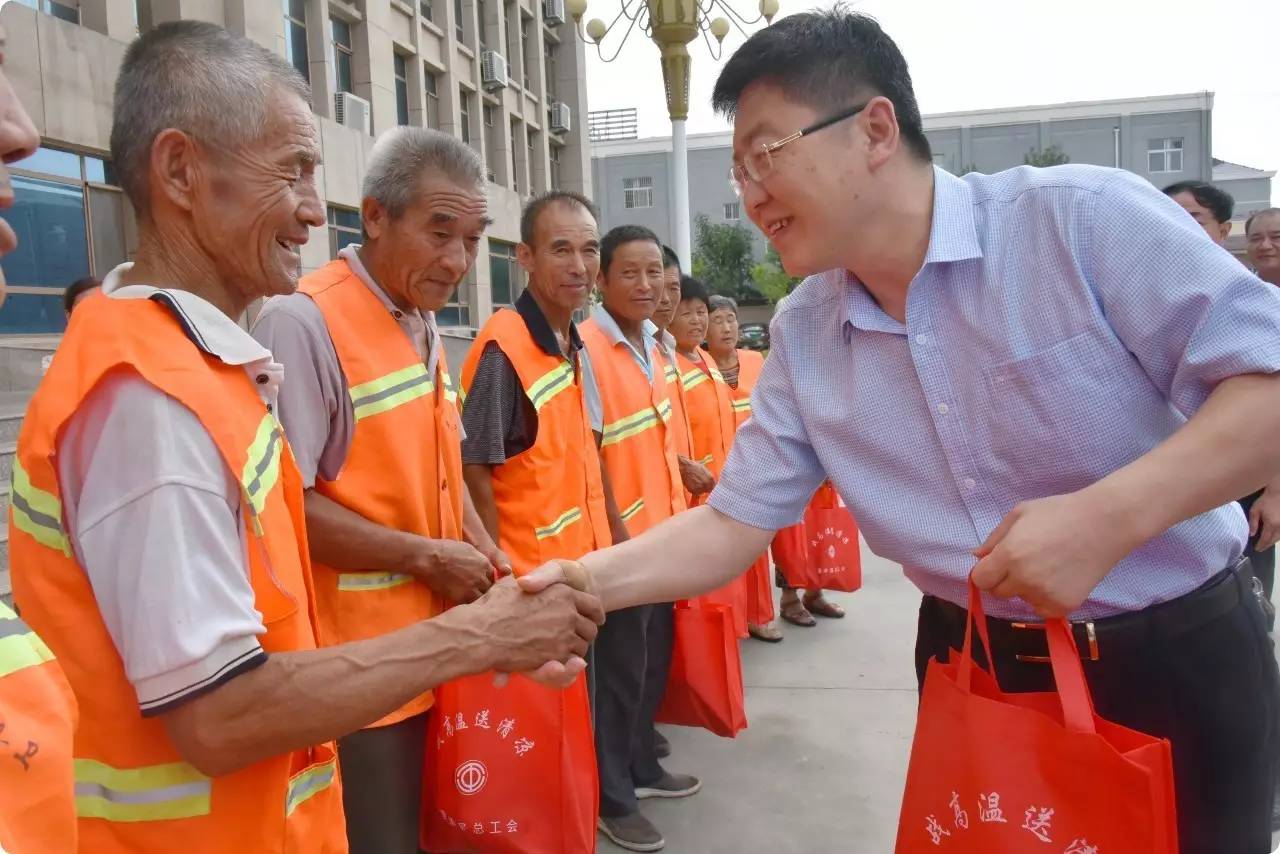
(546, 633)
(456, 570)
(1264, 519)
(497, 558)
(568, 572)
(697, 478)
(1051, 552)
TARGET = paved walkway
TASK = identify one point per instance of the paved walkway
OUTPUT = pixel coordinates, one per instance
(820, 768)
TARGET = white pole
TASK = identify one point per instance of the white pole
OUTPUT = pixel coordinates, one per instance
(680, 170)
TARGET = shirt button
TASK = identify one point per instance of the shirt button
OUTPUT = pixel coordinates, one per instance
(262, 379)
(922, 340)
(943, 409)
(397, 314)
(970, 483)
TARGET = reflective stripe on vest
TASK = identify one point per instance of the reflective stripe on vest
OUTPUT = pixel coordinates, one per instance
(262, 466)
(154, 793)
(632, 510)
(633, 425)
(694, 378)
(395, 389)
(742, 404)
(37, 512)
(450, 390)
(673, 374)
(310, 782)
(707, 460)
(20, 647)
(350, 581)
(566, 519)
(549, 385)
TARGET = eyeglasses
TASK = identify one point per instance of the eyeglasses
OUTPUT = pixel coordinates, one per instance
(759, 164)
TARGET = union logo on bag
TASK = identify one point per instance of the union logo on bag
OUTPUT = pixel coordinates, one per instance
(1037, 822)
(829, 541)
(472, 775)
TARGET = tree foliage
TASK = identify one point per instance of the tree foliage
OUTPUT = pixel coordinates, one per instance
(722, 257)
(1051, 156)
(770, 279)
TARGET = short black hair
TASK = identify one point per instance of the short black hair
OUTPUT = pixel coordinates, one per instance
(75, 289)
(621, 235)
(829, 60)
(694, 289)
(1248, 223)
(1217, 200)
(536, 205)
(670, 258)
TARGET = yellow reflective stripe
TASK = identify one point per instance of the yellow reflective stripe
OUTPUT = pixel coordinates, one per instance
(262, 467)
(395, 389)
(632, 425)
(152, 793)
(565, 519)
(309, 783)
(673, 373)
(632, 510)
(450, 393)
(21, 650)
(549, 385)
(706, 461)
(350, 581)
(37, 512)
(742, 405)
(664, 410)
(694, 378)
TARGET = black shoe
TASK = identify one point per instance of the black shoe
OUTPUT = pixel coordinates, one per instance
(633, 832)
(661, 746)
(670, 786)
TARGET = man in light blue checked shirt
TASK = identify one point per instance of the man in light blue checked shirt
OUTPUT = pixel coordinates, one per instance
(1049, 378)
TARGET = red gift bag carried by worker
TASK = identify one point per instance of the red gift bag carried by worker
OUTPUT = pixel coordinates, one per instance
(704, 688)
(758, 584)
(835, 558)
(790, 550)
(510, 770)
(996, 773)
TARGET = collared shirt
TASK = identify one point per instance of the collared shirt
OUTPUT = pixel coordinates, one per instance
(498, 417)
(154, 517)
(614, 333)
(315, 408)
(1064, 323)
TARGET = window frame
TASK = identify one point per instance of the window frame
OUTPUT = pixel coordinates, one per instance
(335, 228)
(1166, 148)
(400, 71)
(736, 207)
(342, 54)
(290, 22)
(631, 194)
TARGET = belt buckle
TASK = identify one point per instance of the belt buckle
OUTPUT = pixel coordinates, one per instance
(1091, 635)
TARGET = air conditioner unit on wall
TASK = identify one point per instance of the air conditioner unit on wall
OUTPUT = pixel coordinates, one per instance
(353, 112)
(561, 117)
(553, 12)
(493, 71)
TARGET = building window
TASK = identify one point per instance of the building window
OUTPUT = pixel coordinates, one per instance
(503, 273)
(344, 229)
(1165, 155)
(637, 192)
(342, 54)
(464, 116)
(515, 147)
(509, 37)
(490, 141)
(432, 81)
(402, 90)
(482, 24)
(457, 311)
(531, 159)
(554, 162)
(67, 11)
(458, 29)
(424, 6)
(526, 51)
(550, 68)
(70, 222)
(733, 211)
(295, 36)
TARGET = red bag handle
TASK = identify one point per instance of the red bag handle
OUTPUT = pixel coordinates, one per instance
(1064, 657)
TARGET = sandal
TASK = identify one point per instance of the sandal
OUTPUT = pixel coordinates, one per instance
(796, 614)
(768, 632)
(823, 607)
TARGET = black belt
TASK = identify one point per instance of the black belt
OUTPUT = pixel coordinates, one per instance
(1123, 632)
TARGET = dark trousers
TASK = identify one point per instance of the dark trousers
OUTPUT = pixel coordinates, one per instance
(382, 786)
(1212, 690)
(1264, 562)
(632, 658)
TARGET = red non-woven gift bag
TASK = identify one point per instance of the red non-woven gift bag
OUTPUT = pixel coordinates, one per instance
(704, 688)
(510, 770)
(997, 773)
(835, 558)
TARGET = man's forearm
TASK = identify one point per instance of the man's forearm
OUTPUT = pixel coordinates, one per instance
(343, 539)
(694, 552)
(482, 507)
(1226, 451)
(290, 701)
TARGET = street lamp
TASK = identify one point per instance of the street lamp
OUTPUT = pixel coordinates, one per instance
(673, 24)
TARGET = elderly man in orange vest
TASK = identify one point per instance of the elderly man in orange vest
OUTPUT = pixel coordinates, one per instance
(157, 525)
(370, 410)
(637, 445)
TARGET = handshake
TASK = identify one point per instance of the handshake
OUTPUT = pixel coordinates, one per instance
(540, 625)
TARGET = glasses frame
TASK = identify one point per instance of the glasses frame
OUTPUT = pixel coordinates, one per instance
(740, 173)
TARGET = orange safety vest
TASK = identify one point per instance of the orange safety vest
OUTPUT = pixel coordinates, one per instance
(750, 364)
(710, 406)
(403, 469)
(550, 498)
(37, 723)
(134, 791)
(680, 427)
(637, 444)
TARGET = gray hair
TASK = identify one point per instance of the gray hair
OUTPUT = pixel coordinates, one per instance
(402, 155)
(716, 302)
(1258, 214)
(200, 79)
